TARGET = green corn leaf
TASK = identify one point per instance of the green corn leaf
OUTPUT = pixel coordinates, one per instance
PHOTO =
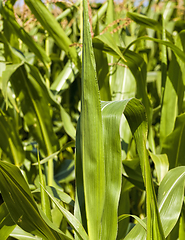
(79, 209)
(20, 234)
(76, 225)
(9, 55)
(65, 78)
(45, 160)
(10, 69)
(45, 203)
(173, 98)
(90, 131)
(179, 53)
(20, 203)
(102, 74)
(146, 22)
(173, 144)
(161, 164)
(7, 225)
(138, 125)
(27, 84)
(10, 142)
(59, 194)
(8, 15)
(112, 114)
(49, 23)
(123, 208)
(134, 61)
(170, 200)
(141, 222)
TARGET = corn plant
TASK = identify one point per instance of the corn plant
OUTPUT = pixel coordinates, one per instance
(92, 120)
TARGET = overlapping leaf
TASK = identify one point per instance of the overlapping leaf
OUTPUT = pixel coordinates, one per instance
(170, 200)
(35, 106)
(20, 203)
(23, 35)
(52, 26)
(90, 133)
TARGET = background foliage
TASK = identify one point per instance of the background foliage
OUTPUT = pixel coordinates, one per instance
(92, 120)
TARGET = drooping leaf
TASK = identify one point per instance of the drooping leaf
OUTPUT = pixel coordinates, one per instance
(65, 78)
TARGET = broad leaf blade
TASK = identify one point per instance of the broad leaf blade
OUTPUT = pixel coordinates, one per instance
(112, 113)
(90, 133)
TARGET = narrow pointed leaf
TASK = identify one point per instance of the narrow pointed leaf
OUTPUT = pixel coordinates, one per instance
(91, 142)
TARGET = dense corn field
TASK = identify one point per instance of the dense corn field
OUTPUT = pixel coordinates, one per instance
(92, 119)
